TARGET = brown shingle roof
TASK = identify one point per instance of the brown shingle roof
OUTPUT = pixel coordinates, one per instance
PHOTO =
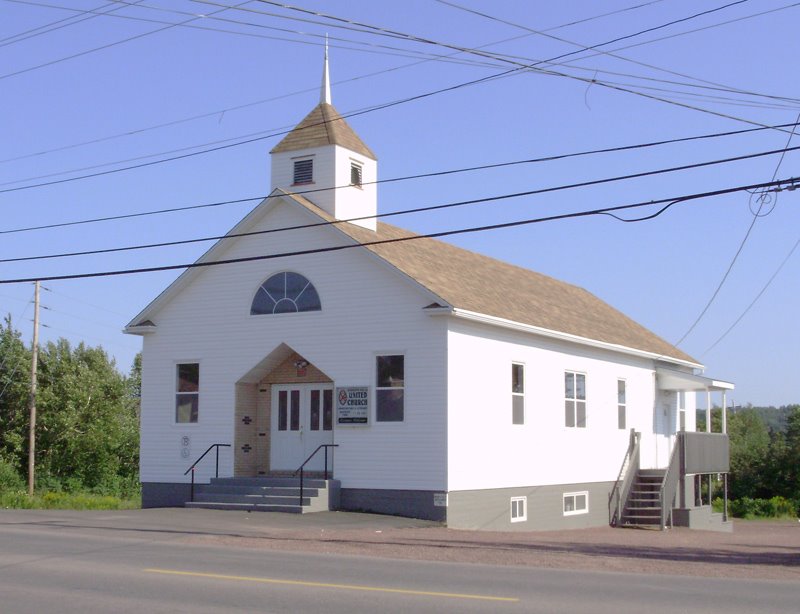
(323, 126)
(474, 282)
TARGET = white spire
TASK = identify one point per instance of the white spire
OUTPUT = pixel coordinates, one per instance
(325, 90)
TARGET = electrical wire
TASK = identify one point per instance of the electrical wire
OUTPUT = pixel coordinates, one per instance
(108, 45)
(409, 211)
(404, 178)
(443, 233)
(707, 84)
(741, 247)
(755, 300)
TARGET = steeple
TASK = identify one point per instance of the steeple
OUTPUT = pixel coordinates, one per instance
(324, 157)
(325, 90)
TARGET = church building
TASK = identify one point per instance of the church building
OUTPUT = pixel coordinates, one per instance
(420, 378)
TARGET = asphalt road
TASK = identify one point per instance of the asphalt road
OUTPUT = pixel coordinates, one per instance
(52, 566)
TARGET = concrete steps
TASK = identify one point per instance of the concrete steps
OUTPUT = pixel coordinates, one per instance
(268, 494)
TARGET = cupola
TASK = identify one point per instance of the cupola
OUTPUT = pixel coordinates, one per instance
(323, 159)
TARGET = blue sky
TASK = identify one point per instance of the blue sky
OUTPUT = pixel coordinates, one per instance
(79, 98)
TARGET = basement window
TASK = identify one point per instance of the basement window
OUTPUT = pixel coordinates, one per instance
(519, 509)
(303, 171)
(576, 503)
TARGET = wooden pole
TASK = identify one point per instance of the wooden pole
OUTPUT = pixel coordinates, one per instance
(32, 396)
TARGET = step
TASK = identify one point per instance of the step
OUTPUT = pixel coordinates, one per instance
(249, 499)
(269, 481)
(282, 491)
(287, 509)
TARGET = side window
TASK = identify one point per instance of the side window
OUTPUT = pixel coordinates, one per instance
(303, 171)
(517, 394)
(389, 388)
(621, 404)
(574, 399)
(187, 392)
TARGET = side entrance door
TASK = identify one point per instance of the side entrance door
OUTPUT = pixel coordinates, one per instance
(302, 420)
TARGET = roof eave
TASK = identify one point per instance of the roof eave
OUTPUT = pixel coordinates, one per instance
(554, 334)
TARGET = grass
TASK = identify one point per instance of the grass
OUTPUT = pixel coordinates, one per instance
(66, 501)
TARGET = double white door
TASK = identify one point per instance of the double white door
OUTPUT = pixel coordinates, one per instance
(302, 420)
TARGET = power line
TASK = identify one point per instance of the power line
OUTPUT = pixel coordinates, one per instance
(741, 246)
(405, 178)
(444, 233)
(708, 84)
(408, 211)
(390, 104)
(221, 112)
(755, 300)
(60, 23)
(107, 46)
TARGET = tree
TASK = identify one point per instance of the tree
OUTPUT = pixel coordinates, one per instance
(749, 445)
(14, 388)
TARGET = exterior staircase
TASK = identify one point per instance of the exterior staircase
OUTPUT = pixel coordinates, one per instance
(643, 506)
(267, 494)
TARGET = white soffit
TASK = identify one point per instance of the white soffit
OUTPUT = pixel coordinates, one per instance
(669, 379)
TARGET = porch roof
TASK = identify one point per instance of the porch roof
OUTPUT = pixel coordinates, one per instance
(670, 379)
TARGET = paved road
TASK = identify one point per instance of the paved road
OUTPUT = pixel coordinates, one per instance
(51, 565)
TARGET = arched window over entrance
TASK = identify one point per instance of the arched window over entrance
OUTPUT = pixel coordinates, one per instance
(285, 292)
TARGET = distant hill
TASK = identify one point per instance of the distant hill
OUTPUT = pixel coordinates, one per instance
(773, 417)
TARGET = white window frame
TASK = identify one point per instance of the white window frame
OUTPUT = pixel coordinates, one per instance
(622, 406)
(515, 395)
(177, 392)
(574, 496)
(377, 388)
(515, 514)
(575, 400)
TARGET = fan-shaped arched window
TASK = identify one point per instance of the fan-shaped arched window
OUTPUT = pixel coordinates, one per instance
(285, 293)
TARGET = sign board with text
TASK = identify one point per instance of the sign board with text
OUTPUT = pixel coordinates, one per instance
(352, 405)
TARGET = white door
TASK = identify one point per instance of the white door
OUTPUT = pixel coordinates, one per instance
(302, 420)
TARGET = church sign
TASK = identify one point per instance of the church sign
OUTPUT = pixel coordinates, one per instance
(352, 405)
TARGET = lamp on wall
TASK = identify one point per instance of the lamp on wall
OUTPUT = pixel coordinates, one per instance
(301, 366)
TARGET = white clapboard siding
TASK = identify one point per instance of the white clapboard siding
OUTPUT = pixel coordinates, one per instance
(367, 309)
(485, 450)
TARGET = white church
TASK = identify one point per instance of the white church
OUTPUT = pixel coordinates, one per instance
(420, 378)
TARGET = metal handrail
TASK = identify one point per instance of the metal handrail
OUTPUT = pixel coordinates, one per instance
(202, 456)
(619, 493)
(301, 468)
(669, 484)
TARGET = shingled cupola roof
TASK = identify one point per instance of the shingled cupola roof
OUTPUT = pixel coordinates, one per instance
(323, 126)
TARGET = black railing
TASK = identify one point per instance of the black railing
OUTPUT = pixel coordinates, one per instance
(619, 494)
(202, 456)
(301, 469)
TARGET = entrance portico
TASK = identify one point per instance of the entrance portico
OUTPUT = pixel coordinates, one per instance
(284, 410)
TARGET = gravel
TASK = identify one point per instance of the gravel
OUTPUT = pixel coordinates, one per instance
(755, 549)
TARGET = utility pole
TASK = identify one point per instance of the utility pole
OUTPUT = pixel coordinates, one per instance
(32, 396)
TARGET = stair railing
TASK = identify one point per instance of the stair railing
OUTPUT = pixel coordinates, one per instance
(669, 485)
(202, 456)
(622, 487)
(301, 468)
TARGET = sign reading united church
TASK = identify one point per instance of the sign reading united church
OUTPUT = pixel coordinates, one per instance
(352, 405)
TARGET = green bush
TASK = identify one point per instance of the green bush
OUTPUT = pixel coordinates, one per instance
(10, 480)
(745, 507)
